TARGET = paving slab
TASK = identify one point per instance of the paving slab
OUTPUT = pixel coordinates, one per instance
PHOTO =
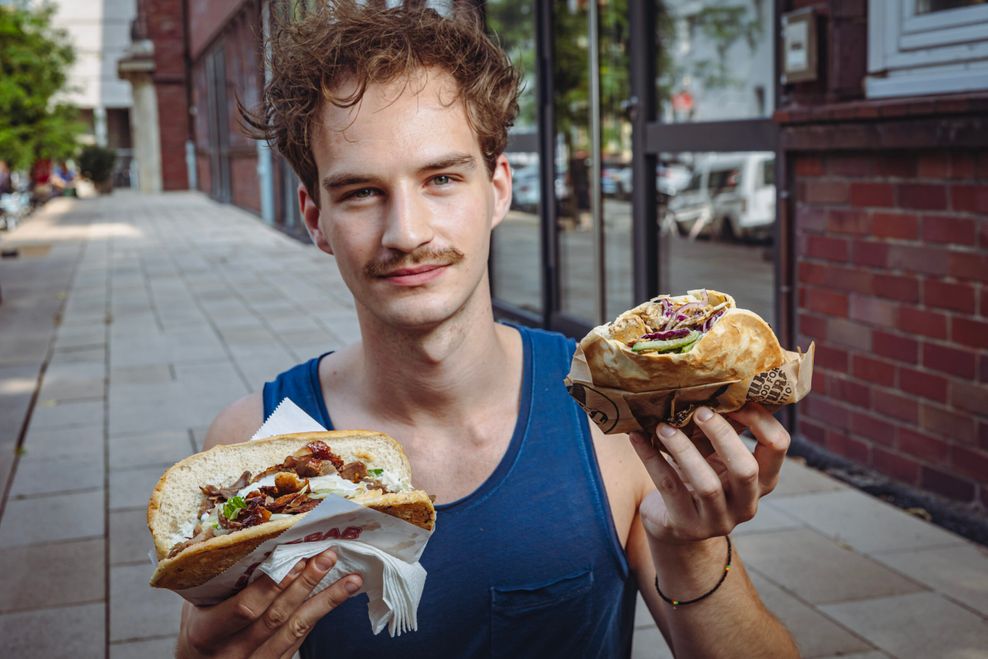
(151, 649)
(649, 644)
(137, 610)
(819, 569)
(52, 518)
(75, 354)
(130, 539)
(156, 448)
(123, 376)
(70, 414)
(920, 625)
(66, 632)
(39, 472)
(131, 488)
(768, 518)
(960, 573)
(54, 574)
(815, 634)
(796, 478)
(80, 441)
(863, 522)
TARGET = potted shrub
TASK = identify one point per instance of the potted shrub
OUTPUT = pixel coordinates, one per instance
(96, 164)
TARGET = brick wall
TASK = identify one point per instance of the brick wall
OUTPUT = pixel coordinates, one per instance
(166, 28)
(173, 111)
(892, 280)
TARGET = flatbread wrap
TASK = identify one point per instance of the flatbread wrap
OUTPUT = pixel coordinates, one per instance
(214, 508)
(666, 357)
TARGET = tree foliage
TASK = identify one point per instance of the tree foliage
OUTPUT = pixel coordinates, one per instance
(34, 63)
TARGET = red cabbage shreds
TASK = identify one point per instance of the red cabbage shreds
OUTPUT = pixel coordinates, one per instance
(666, 335)
(689, 307)
(709, 322)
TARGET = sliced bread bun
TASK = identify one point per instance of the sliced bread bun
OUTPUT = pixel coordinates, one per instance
(176, 498)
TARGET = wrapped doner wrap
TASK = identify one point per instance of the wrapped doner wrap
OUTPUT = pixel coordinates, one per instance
(665, 358)
(221, 518)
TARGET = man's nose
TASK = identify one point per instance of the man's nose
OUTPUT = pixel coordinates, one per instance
(409, 223)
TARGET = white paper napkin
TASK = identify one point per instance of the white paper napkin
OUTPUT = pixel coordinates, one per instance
(393, 586)
(383, 549)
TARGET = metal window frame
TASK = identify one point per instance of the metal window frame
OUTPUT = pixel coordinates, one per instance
(651, 137)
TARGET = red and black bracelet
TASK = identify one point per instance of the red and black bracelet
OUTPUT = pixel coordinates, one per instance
(678, 603)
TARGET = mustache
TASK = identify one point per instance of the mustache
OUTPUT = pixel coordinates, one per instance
(398, 261)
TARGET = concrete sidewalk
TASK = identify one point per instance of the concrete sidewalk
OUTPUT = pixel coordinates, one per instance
(129, 321)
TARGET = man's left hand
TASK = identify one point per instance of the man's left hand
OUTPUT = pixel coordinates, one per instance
(705, 497)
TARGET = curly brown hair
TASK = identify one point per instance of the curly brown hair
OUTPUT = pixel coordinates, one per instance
(342, 41)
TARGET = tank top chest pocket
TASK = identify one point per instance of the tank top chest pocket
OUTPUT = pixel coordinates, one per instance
(545, 619)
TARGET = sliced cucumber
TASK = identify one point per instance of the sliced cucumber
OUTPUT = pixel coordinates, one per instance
(669, 345)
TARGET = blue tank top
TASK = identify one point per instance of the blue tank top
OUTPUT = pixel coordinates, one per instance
(527, 565)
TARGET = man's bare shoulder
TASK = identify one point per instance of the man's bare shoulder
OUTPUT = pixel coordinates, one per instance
(238, 422)
(624, 475)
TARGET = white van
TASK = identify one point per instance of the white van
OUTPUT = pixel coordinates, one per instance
(731, 195)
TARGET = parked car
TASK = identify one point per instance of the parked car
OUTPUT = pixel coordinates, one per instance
(615, 180)
(730, 195)
(525, 188)
(671, 178)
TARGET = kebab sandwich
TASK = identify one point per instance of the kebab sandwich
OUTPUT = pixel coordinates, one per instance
(674, 342)
(214, 508)
(662, 360)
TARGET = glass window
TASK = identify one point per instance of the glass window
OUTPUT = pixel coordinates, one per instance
(517, 244)
(926, 47)
(572, 164)
(615, 155)
(929, 6)
(715, 60)
(718, 220)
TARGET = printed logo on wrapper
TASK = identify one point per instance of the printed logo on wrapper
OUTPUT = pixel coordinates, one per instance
(601, 409)
(771, 387)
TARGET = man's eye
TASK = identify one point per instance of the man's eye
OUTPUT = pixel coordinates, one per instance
(362, 193)
(442, 179)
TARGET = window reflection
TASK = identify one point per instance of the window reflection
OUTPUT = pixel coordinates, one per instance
(718, 220)
(517, 246)
(571, 103)
(714, 60)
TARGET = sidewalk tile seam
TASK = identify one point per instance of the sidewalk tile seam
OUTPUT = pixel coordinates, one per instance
(138, 639)
(50, 607)
(46, 495)
(961, 542)
(813, 607)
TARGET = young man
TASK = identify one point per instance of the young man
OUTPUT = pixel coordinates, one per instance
(396, 122)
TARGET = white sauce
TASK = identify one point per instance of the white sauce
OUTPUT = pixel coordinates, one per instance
(331, 484)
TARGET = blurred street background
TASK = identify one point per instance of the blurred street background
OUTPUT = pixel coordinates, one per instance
(825, 162)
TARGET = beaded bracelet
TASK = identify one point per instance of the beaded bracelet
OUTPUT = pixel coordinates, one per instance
(678, 603)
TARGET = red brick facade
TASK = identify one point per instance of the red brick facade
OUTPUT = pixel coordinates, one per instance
(225, 69)
(892, 275)
(164, 24)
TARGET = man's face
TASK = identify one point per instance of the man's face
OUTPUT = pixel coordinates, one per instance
(406, 202)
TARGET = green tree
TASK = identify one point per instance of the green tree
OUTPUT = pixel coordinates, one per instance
(34, 62)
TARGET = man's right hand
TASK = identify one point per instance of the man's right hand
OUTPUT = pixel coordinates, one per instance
(265, 619)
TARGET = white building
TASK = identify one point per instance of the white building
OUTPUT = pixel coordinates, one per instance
(100, 34)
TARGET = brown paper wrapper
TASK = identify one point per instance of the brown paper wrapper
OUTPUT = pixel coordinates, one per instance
(618, 411)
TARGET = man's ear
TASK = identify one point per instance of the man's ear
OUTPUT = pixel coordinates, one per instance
(501, 184)
(310, 215)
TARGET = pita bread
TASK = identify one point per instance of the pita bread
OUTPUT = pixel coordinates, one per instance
(176, 498)
(738, 346)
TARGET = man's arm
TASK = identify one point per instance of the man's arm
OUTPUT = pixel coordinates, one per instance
(264, 619)
(687, 507)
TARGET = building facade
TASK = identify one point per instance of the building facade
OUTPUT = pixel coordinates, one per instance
(825, 162)
(100, 34)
